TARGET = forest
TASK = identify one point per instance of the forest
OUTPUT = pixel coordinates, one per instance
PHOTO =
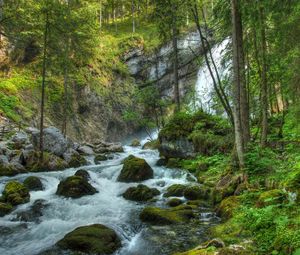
(146, 127)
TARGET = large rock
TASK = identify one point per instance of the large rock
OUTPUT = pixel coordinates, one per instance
(20, 139)
(34, 213)
(75, 187)
(158, 216)
(93, 239)
(5, 208)
(140, 193)
(15, 193)
(195, 192)
(83, 173)
(73, 158)
(103, 147)
(135, 170)
(86, 150)
(180, 148)
(54, 141)
(33, 183)
(175, 190)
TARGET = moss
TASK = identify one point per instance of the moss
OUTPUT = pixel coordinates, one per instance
(175, 190)
(198, 203)
(209, 251)
(33, 183)
(140, 193)
(83, 173)
(75, 187)
(8, 171)
(272, 197)
(173, 202)
(195, 192)
(151, 145)
(135, 169)
(93, 239)
(158, 216)
(227, 207)
(173, 163)
(77, 160)
(5, 208)
(15, 193)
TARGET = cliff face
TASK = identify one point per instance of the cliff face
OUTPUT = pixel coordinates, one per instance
(96, 106)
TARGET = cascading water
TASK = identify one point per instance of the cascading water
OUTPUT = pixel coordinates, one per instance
(204, 84)
(108, 207)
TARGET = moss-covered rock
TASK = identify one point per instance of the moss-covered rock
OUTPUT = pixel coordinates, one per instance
(83, 173)
(77, 160)
(135, 143)
(140, 193)
(100, 157)
(135, 170)
(151, 145)
(227, 207)
(175, 190)
(15, 193)
(5, 208)
(75, 187)
(195, 192)
(8, 170)
(93, 239)
(271, 197)
(158, 216)
(198, 203)
(33, 183)
(173, 202)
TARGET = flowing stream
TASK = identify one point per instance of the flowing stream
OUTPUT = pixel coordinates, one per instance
(108, 207)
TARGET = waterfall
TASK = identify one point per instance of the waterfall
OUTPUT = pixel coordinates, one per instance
(204, 88)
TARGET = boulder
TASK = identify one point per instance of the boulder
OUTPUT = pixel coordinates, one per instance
(158, 216)
(86, 150)
(135, 143)
(175, 190)
(83, 173)
(100, 157)
(75, 187)
(151, 145)
(161, 162)
(272, 197)
(19, 139)
(75, 159)
(135, 170)
(15, 193)
(103, 147)
(93, 239)
(140, 193)
(180, 148)
(5, 208)
(227, 207)
(173, 202)
(33, 183)
(54, 141)
(195, 192)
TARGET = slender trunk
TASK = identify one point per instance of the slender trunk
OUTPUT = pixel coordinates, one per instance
(264, 84)
(237, 87)
(175, 61)
(100, 14)
(66, 80)
(43, 88)
(133, 18)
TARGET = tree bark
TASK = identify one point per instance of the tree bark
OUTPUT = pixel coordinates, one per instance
(264, 81)
(43, 88)
(133, 18)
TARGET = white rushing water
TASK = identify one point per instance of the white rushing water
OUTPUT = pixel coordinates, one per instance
(204, 84)
(107, 207)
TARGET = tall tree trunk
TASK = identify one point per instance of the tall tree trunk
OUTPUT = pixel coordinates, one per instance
(100, 14)
(264, 84)
(175, 60)
(238, 86)
(132, 14)
(43, 88)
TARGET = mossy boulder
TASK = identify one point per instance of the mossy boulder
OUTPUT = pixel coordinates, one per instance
(33, 183)
(151, 145)
(271, 197)
(75, 187)
(195, 192)
(135, 143)
(100, 157)
(5, 208)
(175, 190)
(227, 207)
(77, 160)
(140, 193)
(173, 202)
(93, 239)
(135, 170)
(15, 193)
(159, 216)
(8, 170)
(83, 173)
(198, 203)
